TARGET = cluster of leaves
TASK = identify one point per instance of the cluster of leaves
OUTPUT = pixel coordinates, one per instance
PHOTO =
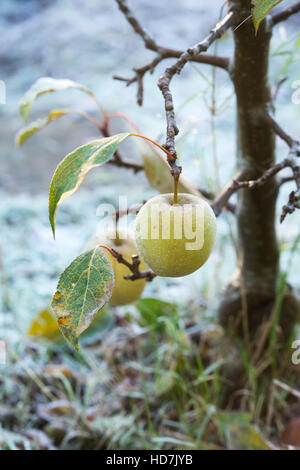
(86, 285)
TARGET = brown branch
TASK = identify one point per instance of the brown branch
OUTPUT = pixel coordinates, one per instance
(286, 13)
(139, 75)
(291, 206)
(286, 179)
(290, 162)
(162, 53)
(211, 198)
(265, 176)
(131, 210)
(121, 164)
(292, 143)
(294, 196)
(195, 54)
(165, 53)
(209, 59)
(221, 200)
(165, 79)
(238, 183)
(134, 267)
(148, 40)
(117, 159)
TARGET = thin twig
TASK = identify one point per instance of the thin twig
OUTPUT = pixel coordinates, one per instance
(221, 200)
(279, 131)
(134, 267)
(148, 40)
(265, 176)
(286, 179)
(238, 183)
(121, 164)
(131, 210)
(196, 54)
(276, 88)
(286, 13)
(166, 53)
(117, 159)
(165, 80)
(161, 51)
(290, 161)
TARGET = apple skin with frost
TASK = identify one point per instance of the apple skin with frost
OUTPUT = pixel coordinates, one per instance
(124, 291)
(158, 236)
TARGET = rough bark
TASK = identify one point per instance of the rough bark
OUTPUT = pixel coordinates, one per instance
(256, 214)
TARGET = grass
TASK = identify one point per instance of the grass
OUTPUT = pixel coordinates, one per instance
(150, 382)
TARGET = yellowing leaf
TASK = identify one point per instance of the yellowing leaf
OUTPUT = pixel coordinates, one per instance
(246, 437)
(44, 325)
(47, 85)
(260, 9)
(158, 172)
(83, 288)
(72, 170)
(39, 124)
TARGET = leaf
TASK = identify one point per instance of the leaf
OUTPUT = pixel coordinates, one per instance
(44, 325)
(39, 124)
(72, 170)
(260, 9)
(47, 85)
(225, 418)
(246, 437)
(158, 172)
(83, 288)
(152, 309)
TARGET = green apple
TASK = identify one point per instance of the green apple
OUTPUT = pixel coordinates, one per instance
(124, 291)
(175, 239)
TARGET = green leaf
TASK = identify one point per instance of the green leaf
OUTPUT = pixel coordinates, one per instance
(39, 124)
(260, 9)
(152, 310)
(44, 325)
(72, 170)
(47, 85)
(83, 288)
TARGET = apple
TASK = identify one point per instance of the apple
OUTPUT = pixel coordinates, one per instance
(175, 239)
(124, 291)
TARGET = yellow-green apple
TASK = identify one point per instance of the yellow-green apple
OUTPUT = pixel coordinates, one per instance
(124, 291)
(175, 239)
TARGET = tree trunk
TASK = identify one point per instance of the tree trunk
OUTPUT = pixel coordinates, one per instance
(253, 291)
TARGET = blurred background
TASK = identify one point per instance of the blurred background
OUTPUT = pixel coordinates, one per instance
(89, 42)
